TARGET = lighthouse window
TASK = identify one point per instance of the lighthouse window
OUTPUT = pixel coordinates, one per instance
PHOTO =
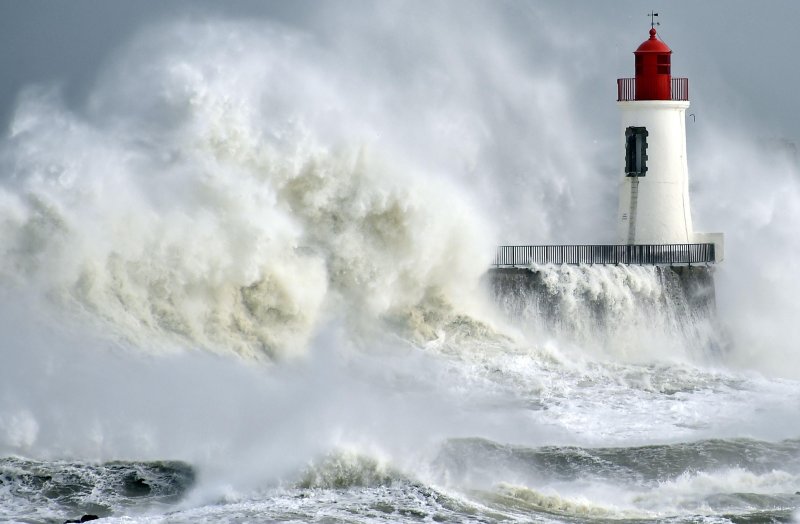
(663, 64)
(636, 151)
(639, 64)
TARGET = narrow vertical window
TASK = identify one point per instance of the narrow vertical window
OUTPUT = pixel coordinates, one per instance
(635, 151)
(663, 66)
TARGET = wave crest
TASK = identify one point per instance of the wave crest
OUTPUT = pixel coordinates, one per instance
(223, 196)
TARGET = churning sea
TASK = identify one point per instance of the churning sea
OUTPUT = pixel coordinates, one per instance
(478, 425)
(244, 282)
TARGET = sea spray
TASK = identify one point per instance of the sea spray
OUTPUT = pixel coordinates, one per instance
(205, 207)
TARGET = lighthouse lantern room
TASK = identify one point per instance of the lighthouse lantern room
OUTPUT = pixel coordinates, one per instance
(653, 69)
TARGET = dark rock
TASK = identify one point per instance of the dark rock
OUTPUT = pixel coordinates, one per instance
(85, 518)
(134, 486)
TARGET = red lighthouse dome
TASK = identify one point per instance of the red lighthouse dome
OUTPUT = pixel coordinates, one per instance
(653, 69)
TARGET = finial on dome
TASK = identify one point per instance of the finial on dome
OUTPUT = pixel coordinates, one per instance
(652, 33)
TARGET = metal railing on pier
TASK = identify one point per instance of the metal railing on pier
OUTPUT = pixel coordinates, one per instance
(636, 254)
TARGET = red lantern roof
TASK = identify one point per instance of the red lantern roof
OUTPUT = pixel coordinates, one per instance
(653, 45)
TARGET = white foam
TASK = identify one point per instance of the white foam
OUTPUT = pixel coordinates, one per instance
(226, 199)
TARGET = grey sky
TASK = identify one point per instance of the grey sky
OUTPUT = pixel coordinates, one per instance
(65, 43)
(747, 49)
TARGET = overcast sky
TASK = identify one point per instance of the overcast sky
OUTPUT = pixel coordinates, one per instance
(748, 49)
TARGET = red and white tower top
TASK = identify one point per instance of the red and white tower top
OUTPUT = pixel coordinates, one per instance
(653, 80)
(653, 69)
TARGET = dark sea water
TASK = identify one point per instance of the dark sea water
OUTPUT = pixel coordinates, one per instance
(724, 480)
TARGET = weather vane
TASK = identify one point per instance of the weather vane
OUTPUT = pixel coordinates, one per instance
(653, 16)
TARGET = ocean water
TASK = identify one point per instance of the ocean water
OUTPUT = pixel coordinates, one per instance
(472, 427)
(227, 297)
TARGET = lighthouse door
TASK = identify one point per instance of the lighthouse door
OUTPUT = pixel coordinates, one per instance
(635, 167)
(635, 151)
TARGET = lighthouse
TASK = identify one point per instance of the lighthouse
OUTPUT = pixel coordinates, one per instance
(653, 227)
(654, 204)
(654, 217)
(654, 188)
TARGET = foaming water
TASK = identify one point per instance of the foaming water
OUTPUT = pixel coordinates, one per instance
(46, 490)
(630, 313)
(487, 431)
(228, 223)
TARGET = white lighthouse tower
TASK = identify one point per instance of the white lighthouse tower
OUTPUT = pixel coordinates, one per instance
(654, 189)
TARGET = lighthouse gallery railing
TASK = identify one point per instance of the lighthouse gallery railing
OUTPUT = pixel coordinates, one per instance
(638, 254)
(626, 89)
